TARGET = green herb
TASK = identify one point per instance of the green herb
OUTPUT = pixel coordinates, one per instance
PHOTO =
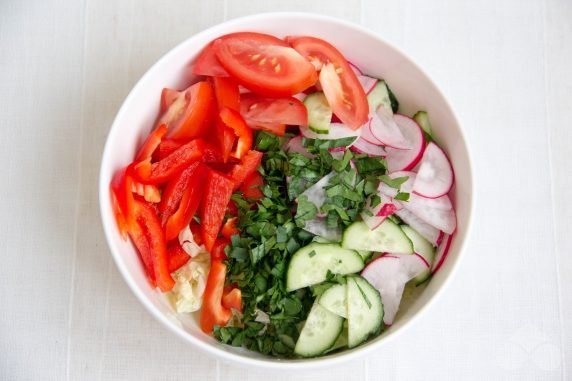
(312, 253)
(393, 183)
(402, 196)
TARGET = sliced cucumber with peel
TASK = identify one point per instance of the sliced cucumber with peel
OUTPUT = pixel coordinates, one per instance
(334, 300)
(424, 249)
(319, 112)
(321, 331)
(310, 265)
(422, 119)
(365, 310)
(379, 96)
(386, 238)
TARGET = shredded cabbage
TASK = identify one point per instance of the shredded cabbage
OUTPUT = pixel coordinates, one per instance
(190, 283)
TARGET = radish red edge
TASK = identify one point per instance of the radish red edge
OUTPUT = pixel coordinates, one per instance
(404, 162)
(447, 163)
(445, 253)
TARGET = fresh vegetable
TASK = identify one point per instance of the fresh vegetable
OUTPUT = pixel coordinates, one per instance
(365, 310)
(233, 120)
(212, 312)
(386, 238)
(272, 114)
(321, 330)
(319, 113)
(405, 160)
(218, 189)
(435, 175)
(441, 253)
(424, 249)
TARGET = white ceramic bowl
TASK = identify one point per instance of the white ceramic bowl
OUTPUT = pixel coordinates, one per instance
(375, 57)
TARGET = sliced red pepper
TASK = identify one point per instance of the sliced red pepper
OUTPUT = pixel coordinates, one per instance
(232, 119)
(166, 169)
(212, 311)
(226, 92)
(122, 185)
(177, 256)
(145, 251)
(119, 217)
(197, 235)
(229, 228)
(232, 299)
(173, 192)
(167, 147)
(231, 209)
(247, 166)
(224, 137)
(188, 205)
(151, 143)
(212, 154)
(250, 188)
(168, 96)
(217, 251)
(147, 235)
(218, 190)
(149, 192)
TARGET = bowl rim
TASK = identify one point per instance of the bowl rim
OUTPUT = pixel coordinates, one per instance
(274, 363)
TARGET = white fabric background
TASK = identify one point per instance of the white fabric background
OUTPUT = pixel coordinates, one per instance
(65, 68)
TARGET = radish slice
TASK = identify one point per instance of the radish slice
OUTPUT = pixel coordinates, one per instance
(363, 146)
(443, 202)
(379, 213)
(368, 83)
(385, 189)
(435, 176)
(294, 145)
(355, 69)
(300, 96)
(367, 135)
(441, 253)
(386, 130)
(316, 194)
(389, 274)
(318, 227)
(430, 233)
(337, 131)
(441, 219)
(399, 160)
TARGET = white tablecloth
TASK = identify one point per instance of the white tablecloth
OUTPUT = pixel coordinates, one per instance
(65, 68)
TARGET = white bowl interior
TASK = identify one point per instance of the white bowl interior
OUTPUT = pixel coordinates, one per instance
(414, 91)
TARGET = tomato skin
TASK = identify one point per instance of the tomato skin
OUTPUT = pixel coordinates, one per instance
(250, 188)
(191, 113)
(207, 64)
(246, 167)
(212, 311)
(218, 190)
(339, 82)
(264, 67)
(272, 114)
(168, 96)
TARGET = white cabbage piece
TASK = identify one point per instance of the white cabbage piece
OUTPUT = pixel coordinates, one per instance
(188, 243)
(190, 283)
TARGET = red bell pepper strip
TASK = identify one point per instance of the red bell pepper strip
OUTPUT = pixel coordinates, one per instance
(167, 147)
(122, 185)
(218, 190)
(217, 251)
(224, 137)
(147, 235)
(232, 119)
(232, 299)
(119, 217)
(177, 256)
(151, 143)
(188, 205)
(229, 228)
(149, 192)
(173, 192)
(166, 169)
(226, 92)
(247, 166)
(250, 188)
(212, 312)
(197, 235)
(231, 209)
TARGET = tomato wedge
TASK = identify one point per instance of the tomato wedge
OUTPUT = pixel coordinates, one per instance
(263, 65)
(340, 84)
(168, 96)
(272, 114)
(191, 113)
(207, 63)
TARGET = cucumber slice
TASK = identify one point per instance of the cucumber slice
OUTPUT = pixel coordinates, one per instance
(319, 112)
(365, 310)
(320, 332)
(422, 119)
(334, 300)
(310, 264)
(365, 255)
(379, 96)
(422, 248)
(387, 238)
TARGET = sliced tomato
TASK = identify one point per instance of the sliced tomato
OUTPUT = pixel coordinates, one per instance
(286, 110)
(217, 251)
(191, 113)
(218, 189)
(207, 63)
(168, 96)
(151, 143)
(247, 166)
(166, 169)
(232, 299)
(339, 82)
(226, 92)
(229, 228)
(264, 65)
(177, 256)
(233, 120)
(250, 188)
